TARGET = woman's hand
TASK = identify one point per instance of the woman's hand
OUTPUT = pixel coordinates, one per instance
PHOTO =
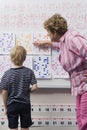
(43, 43)
(38, 43)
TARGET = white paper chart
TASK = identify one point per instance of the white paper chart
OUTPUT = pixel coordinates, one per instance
(25, 40)
(41, 36)
(28, 62)
(57, 69)
(5, 64)
(7, 41)
(42, 67)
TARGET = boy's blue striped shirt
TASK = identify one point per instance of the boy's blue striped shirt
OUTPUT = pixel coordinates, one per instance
(17, 82)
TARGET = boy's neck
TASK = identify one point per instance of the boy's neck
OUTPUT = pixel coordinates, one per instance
(17, 66)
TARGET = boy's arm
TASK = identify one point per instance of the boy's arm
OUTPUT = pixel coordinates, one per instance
(33, 88)
(4, 97)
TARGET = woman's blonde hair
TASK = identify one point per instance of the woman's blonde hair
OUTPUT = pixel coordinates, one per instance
(56, 23)
(18, 55)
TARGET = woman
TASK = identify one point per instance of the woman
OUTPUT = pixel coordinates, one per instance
(73, 58)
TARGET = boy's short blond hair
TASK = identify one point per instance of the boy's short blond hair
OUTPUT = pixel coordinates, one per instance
(18, 55)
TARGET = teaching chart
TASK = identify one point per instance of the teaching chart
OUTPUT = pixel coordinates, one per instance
(7, 41)
(57, 69)
(41, 51)
(42, 67)
(25, 40)
(5, 64)
(28, 62)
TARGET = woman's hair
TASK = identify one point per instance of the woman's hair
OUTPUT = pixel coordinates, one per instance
(56, 23)
(18, 55)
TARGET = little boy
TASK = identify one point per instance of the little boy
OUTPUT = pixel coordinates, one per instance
(15, 85)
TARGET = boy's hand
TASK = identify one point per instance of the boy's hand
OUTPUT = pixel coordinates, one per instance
(5, 111)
